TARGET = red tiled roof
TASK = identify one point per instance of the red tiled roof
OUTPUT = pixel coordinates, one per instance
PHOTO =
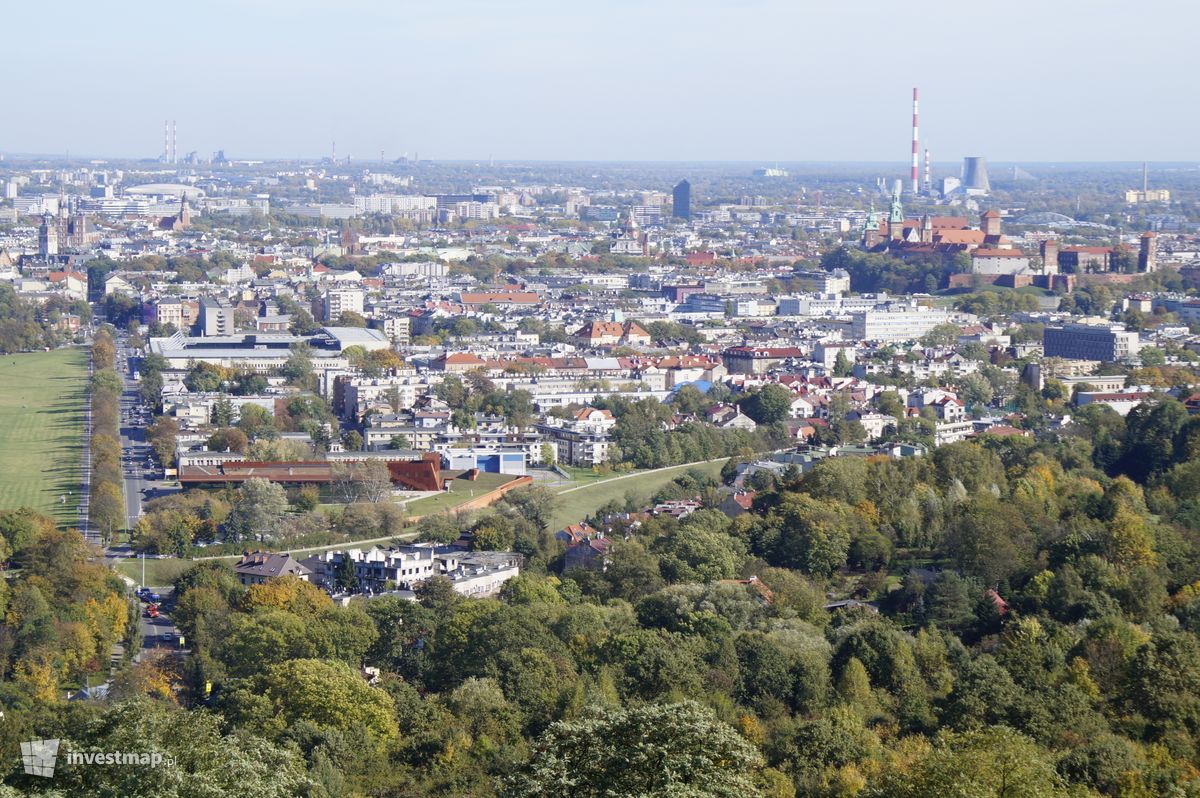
(997, 253)
(463, 358)
(948, 222)
(500, 297)
(958, 236)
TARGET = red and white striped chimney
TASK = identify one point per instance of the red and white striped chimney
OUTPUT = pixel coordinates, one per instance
(916, 188)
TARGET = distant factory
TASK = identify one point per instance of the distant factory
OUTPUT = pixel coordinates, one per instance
(972, 181)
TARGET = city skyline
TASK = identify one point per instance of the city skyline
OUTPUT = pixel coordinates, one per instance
(664, 81)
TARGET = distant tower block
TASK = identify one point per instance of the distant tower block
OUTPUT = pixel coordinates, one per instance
(928, 175)
(1148, 253)
(975, 176)
(681, 200)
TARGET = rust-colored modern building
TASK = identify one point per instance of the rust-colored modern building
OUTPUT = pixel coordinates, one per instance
(422, 474)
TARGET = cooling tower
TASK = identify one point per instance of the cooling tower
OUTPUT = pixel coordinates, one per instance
(975, 174)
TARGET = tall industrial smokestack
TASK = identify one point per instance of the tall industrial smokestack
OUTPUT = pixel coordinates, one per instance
(928, 175)
(915, 165)
(1145, 177)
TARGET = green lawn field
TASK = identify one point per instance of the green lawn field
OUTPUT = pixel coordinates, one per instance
(41, 418)
(577, 502)
(461, 491)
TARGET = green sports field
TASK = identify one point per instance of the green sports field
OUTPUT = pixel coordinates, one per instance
(41, 418)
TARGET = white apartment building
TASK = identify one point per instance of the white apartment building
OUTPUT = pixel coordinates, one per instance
(887, 324)
(477, 574)
(394, 203)
(342, 300)
(827, 304)
(398, 329)
(582, 440)
(476, 210)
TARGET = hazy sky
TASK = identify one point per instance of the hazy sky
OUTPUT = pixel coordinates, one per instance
(753, 80)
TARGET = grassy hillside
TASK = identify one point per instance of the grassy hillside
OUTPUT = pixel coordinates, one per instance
(577, 502)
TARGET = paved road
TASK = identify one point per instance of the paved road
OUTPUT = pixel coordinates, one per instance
(135, 451)
(159, 633)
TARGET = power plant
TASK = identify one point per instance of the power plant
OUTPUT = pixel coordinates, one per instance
(974, 180)
(975, 176)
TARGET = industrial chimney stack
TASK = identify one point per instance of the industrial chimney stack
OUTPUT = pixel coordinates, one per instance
(915, 176)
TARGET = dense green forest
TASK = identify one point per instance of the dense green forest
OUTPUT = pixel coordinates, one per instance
(1015, 617)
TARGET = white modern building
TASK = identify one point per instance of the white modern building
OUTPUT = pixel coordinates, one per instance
(895, 324)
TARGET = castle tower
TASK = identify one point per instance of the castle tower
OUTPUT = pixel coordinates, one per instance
(1050, 256)
(990, 222)
(1148, 253)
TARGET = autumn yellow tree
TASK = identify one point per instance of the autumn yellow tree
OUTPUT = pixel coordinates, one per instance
(286, 593)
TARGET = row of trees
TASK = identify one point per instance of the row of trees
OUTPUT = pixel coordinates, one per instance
(107, 507)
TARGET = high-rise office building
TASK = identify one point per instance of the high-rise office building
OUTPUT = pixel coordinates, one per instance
(681, 200)
(1105, 342)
